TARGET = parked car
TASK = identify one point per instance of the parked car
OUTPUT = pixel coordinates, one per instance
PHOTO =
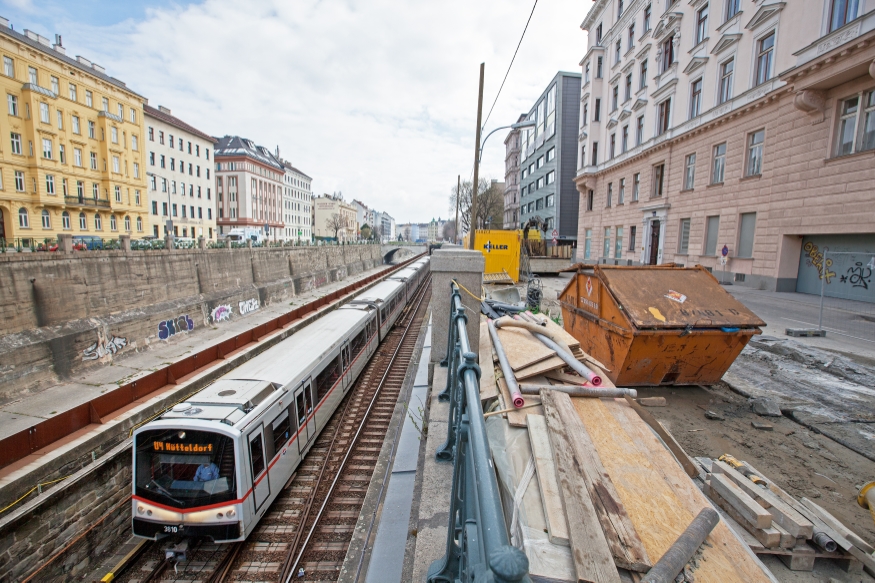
(183, 242)
(87, 242)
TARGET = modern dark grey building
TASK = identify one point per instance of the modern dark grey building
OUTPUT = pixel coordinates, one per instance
(548, 158)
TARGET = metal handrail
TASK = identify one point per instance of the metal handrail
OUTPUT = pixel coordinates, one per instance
(478, 548)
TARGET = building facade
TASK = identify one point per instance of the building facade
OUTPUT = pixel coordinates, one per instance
(249, 188)
(737, 126)
(297, 202)
(179, 171)
(548, 158)
(331, 215)
(512, 178)
(74, 159)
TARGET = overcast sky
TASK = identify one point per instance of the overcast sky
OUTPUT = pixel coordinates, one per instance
(374, 98)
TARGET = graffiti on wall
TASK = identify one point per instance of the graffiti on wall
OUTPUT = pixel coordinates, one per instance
(101, 348)
(248, 306)
(859, 275)
(168, 328)
(221, 313)
(815, 259)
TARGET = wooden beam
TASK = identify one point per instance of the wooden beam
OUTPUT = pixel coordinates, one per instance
(590, 552)
(545, 469)
(488, 387)
(768, 537)
(758, 516)
(838, 526)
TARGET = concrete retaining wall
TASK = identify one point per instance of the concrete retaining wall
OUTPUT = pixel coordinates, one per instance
(66, 313)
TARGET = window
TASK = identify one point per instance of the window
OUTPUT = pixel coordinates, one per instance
(606, 251)
(667, 48)
(113, 133)
(617, 51)
(91, 130)
(8, 67)
(551, 118)
(137, 197)
(745, 234)
(65, 187)
(60, 119)
(136, 170)
(47, 149)
(105, 103)
(75, 121)
(135, 144)
(690, 172)
(44, 112)
(684, 237)
(540, 162)
(80, 189)
(50, 184)
(765, 51)
(121, 111)
(151, 158)
(161, 138)
(89, 98)
(595, 153)
(65, 220)
(32, 76)
(590, 200)
(597, 111)
(636, 184)
(95, 190)
(857, 133)
(83, 222)
(696, 98)
(628, 93)
(586, 73)
(598, 34)
(587, 245)
(618, 243)
(115, 165)
(139, 224)
(631, 40)
(23, 220)
(613, 146)
(732, 7)
(712, 226)
(647, 11)
(658, 179)
(639, 130)
(93, 160)
(701, 24)
(719, 163)
(663, 115)
(16, 143)
(841, 13)
(621, 195)
(550, 200)
(113, 223)
(625, 142)
(127, 223)
(161, 162)
(12, 101)
(726, 70)
(642, 77)
(615, 97)
(77, 157)
(610, 196)
(755, 153)
(619, 8)
(151, 135)
(551, 154)
(155, 207)
(98, 222)
(632, 233)
(598, 68)
(551, 177)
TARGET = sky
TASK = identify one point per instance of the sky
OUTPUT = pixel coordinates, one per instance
(376, 99)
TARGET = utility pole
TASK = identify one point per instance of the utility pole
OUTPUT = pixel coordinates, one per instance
(457, 234)
(473, 222)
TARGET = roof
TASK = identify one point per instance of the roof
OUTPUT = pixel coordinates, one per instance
(66, 60)
(176, 122)
(237, 146)
(286, 164)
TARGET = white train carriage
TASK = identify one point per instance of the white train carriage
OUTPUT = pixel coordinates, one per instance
(388, 298)
(211, 466)
(410, 276)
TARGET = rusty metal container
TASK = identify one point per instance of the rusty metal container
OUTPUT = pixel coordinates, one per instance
(657, 325)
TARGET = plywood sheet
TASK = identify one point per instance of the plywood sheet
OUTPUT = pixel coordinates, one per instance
(517, 417)
(488, 387)
(521, 348)
(539, 368)
(545, 469)
(659, 497)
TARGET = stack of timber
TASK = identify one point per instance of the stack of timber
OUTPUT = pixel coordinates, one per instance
(590, 492)
(772, 522)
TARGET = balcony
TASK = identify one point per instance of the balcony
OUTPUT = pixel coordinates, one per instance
(87, 201)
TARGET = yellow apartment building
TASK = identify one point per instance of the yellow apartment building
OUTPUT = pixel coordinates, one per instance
(71, 146)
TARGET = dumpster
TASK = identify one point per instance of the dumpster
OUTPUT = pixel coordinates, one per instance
(657, 325)
(501, 249)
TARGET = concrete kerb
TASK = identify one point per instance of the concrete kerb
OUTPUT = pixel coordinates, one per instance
(75, 454)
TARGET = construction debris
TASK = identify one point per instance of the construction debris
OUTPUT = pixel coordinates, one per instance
(652, 401)
(765, 407)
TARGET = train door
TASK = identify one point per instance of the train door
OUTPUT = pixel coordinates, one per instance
(345, 364)
(258, 468)
(304, 412)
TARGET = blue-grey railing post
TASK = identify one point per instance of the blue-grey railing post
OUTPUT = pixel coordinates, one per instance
(477, 540)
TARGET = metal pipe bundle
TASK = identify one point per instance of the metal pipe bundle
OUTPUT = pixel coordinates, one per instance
(579, 391)
(509, 377)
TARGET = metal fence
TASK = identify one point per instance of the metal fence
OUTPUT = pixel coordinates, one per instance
(94, 243)
(847, 294)
(477, 540)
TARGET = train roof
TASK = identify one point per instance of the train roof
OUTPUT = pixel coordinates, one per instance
(405, 273)
(380, 292)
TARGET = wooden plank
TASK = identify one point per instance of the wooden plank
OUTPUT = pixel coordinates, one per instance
(517, 417)
(788, 541)
(689, 465)
(659, 496)
(545, 366)
(593, 561)
(838, 526)
(793, 522)
(545, 469)
(801, 559)
(758, 516)
(521, 348)
(565, 378)
(488, 387)
(767, 537)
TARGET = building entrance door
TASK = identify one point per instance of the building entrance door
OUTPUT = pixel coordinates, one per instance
(2, 225)
(654, 242)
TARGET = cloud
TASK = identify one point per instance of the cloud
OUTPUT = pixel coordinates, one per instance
(375, 98)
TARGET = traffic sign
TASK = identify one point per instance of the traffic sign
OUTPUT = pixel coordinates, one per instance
(555, 233)
(724, 251)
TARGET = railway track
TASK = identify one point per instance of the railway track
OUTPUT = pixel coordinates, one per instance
(305, 534)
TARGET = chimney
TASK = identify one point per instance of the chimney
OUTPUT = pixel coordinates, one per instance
(59, 45)
(83, 61)
(98, 68)
(163, 109)
(4, 22)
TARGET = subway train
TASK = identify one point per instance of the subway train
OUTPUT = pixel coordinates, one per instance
(211, 466)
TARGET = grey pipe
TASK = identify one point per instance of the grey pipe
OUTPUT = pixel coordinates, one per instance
(679, 554)
(823, 540)
(512, 386)
(578, 391)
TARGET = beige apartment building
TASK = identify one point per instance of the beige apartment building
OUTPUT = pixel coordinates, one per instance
(330, 212)
(739, 125)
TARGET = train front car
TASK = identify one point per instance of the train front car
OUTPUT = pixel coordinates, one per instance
(186, 483)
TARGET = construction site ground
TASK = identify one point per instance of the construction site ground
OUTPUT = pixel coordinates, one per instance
(824, 383)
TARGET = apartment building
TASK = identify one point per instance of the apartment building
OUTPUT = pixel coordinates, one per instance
(333, 217)
(179, 175)
(74, 159)
(744, 127)
(249, 188)
(512, 177)
(297, 202)
(548, 158)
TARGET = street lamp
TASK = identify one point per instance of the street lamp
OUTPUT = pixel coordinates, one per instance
(529, 123)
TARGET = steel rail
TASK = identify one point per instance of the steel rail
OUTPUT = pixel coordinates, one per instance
(292, 570)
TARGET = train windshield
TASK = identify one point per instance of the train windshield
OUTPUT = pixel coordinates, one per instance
(185, 468)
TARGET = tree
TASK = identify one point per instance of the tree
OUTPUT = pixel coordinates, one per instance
(490, 205)
(336, 222)
(449, 233)
(365, 232)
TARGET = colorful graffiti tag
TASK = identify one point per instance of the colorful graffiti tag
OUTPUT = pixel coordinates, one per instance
(101, 348)
(168, 328)
(221, 313)
(248, 306)
(815, 258)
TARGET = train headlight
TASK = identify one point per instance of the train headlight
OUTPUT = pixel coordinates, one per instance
(140, 510)
(219, 515)
(148, 513)
(230, 513)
